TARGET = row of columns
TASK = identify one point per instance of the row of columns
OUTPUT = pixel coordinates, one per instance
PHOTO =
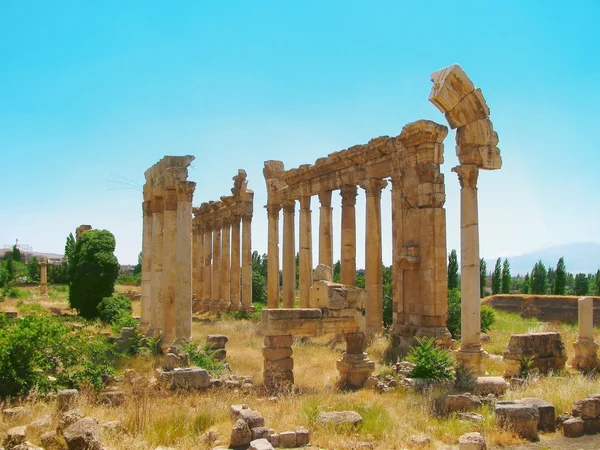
(373, 250)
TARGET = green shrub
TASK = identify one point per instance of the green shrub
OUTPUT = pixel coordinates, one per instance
(259, 288)
(92, 271)
(37, 346)
(430, 361)
(488, 318)
(201, 356)
(113, 308)
(453, 321)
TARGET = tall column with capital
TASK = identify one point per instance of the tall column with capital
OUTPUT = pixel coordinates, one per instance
(156, 300)
(183, 262)
(235, 263)
(198, 259)
(397, 246)
(326, 230)
(373, 257)
(169, 266)
(146, 257)
(216, 266)
(273, 256)
(348, 260)
(208, 246)
(44, 279)
(289, 255)
(470, 353)
(247, 259)
(226, 263)
(305, 263)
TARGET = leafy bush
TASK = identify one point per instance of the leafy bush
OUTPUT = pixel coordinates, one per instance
(259, 288)
(93, 269)
(201, 356)
(126, 279)
(430, 361)
(488, 318)
(113, 308)
(37, 346)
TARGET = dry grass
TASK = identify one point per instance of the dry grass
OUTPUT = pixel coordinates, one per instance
(180, 420)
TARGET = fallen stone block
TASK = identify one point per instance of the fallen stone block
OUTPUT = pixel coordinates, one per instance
(240, 435)
(51, 441)
(573, 428)
(340, 418)
(490, 385)
(454, 403)
(302, 437)
(15, 436)
(287, 439)
(185, 378)
(521, 419)
(68, 418)
(66, 399)
(83, 435)
(260, 444)
(472, 441)
(547, 413)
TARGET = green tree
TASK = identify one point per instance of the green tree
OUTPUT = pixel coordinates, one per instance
(16, 254)
(539, 279)
(337, 271)
(259, 288)
(33, 269)
(597, 283)
(137, 269)
(581, 284)
(559, 286)
(388, 302)
(92, 271)
(506, 277)
(453, 279)
(526, 287)
(69, 251)
(551, 276)
(497, 278)
(482, 277)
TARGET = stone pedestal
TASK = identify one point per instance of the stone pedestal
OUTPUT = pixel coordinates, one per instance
(235, 296)
(44, 279)
(289, 256)
(348, 260)
(305, 263)
(586, 350)
(355, 367)
(278, 363)
(325, 229)
(273, 260)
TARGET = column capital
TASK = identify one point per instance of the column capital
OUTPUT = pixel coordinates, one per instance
(349, 193)
(373, 186)
(170, 200)
(185, 191)
(289, 206)
(467, 175)
(273, 209)
(325, 199)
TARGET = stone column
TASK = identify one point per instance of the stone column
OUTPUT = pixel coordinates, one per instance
(226, 263)
(586, 350)
(305, 269)
(43, 279)
(169, 266)
(156, 296)
(397, 246)
(470, 353)
(373, 255)
(198, 258)
(216, 267)
(235, 264)
(325, 230)
(183, 262)
(208, 245)
(289, 255)
(146, 257)
(247, 262)
(273, 256)
(348, 260)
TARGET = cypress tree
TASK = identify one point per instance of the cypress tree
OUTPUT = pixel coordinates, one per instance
(559, 287)
(539, 279)
(581, 284)
(525, 288)
(497, 278)
(453, 270)
(506, 277)
(482, 277)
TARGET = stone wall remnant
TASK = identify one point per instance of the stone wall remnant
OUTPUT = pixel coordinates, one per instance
(544, 352)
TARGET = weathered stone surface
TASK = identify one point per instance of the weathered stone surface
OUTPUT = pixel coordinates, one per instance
(420, 441)
(253, 418)
(114, 426)
(322, 273)
(546, 350)
(302, 437)
(471, 108)
(261, 433)
(573, 428)
(260, 444)
(66, 399)
(450, 85)
(287, 439)
(172, 360)
(186, 378)
(15, 436)
(51, 441)
(590, 408)
(215, 341)
(471, 417)
(591, 426)
(340, 418)
(547, 413)
(41, 423)
(278, 341)
(83, 435)
(281, 365)
(490, 385)
(275, 440)
(13, 413)
(235, 410)
(68, 418)
(472, 441)
(111, 398)
(27, 446)
(522, 419)
(275, 354)
(240, 435)
(456, 403)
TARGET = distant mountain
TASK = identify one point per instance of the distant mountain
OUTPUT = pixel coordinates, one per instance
(38, 255)
(579, 257)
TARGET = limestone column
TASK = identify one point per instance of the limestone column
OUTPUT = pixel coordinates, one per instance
(43, 279)
(326, 230)
(216, 266)
(146, 257)
(247, 260)
(226, 263)
(169, 266)
(470, 352)
(235, 263)
(373, 255)
(348, 260)
(289, 255)
(305, 269)
(208, 246)
(156, 296)
(198, 258)
(397, 245)
(273, 256)
(183, 262)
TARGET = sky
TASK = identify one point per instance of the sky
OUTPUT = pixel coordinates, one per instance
(94, 93)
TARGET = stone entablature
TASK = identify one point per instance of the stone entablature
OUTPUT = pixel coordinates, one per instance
(411, 161)
(167, 250)
(220, 259)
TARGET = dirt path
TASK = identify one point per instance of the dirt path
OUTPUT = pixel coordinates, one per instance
(558, 442)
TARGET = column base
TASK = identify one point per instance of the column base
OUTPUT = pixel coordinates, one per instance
(586, 356)
(354, 369)
(474, 358)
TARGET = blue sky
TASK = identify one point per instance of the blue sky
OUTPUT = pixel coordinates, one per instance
(94, 91)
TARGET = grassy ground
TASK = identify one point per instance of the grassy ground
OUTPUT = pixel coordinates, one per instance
(153, 418)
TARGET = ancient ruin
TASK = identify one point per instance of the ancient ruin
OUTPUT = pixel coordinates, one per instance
(412, 162)
(167, 250)
(465, 109)
(220, 282)
(44, 278)
(586, 350)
